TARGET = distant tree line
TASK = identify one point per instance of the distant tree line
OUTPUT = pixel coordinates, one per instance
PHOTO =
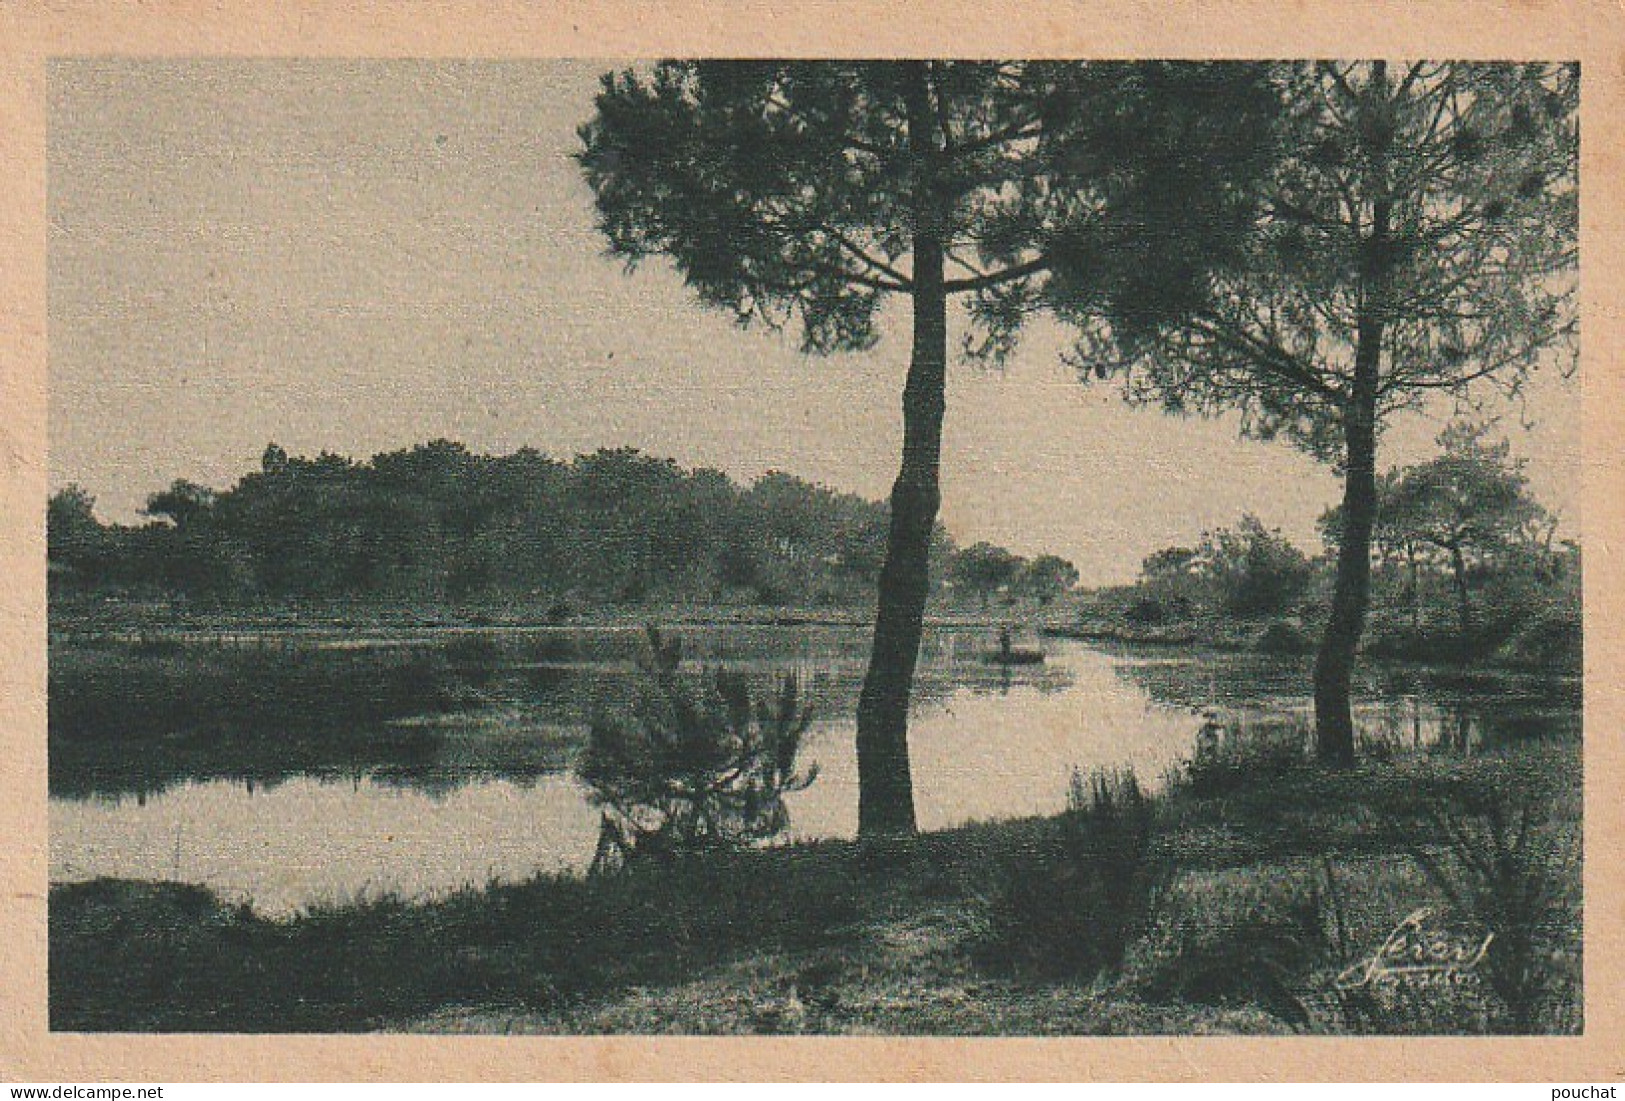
(1465, 561)
(438, 521)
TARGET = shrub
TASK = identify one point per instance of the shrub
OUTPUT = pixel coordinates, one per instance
(1401, 642)
(1110, 829)
(157, 646)
(1228, 758)
(693, 766)
(1283, 638)
(1552, 642)
(1263, 956)
(1501, 862)
(1256, 570)
(1147, 612)
(1292, 949)
(545, 648)
(1073, 908)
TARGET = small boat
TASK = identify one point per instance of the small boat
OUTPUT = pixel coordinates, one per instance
(1013, 657)
(1007, 654)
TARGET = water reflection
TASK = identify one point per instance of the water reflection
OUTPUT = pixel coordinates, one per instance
(312, 840)
(1396, 706)
(535, 691)
(491, 795)
(990, 746)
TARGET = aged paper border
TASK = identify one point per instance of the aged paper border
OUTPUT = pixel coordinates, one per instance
(35, 30)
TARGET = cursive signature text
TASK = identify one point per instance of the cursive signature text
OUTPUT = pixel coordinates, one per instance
(1417, 954)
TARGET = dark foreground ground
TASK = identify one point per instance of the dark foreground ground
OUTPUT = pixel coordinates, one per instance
(1270, 878)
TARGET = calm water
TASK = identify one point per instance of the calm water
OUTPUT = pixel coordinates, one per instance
(984, 745)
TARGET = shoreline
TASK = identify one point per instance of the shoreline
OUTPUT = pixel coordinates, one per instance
(734, 942)
(69, 622)
(1238, 643)
(73, 627)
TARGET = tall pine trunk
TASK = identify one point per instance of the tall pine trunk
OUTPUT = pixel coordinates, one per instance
(1351, 594)
(1334, 661)
(885, 788)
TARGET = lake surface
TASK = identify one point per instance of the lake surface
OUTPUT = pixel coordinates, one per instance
(985, 743)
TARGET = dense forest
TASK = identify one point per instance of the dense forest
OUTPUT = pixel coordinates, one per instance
(439, 522)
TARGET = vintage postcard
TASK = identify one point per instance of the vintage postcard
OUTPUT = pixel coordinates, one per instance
(846, 529)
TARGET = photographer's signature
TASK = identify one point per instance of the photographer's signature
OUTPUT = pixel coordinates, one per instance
(1416, 954)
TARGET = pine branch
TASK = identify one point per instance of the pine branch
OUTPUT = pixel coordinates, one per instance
(899, 281)
(997, 278)
(1267, 355)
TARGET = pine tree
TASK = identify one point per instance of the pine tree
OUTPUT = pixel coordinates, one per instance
(809, 192)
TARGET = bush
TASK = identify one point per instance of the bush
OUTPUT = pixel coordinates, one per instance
(1401, 642)
(1502, 863)
(1261, 957)
(1073, 908)
(693, 767)
(1229, 758)
(1285, 639)
(1148, 612)
(1553, 642)
(157, 646)
(159, 957)
(1256, 571)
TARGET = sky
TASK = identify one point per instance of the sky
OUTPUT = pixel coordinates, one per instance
(359, 256)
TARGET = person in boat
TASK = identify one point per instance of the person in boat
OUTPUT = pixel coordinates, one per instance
(1207, 737)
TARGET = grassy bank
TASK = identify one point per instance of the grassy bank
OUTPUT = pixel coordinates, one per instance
(132, 718)
(80, 618)
(1543, 639)
(1278, 877)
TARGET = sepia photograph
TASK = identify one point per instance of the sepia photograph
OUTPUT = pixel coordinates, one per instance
(921, 547)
